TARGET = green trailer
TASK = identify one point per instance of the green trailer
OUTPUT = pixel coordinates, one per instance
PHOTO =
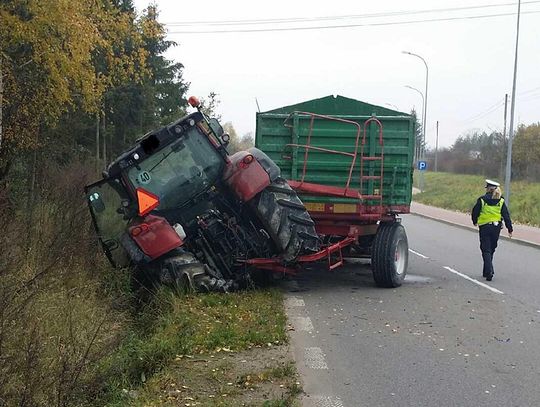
(351, 164)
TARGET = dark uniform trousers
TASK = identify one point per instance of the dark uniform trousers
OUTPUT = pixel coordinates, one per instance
(489, 236)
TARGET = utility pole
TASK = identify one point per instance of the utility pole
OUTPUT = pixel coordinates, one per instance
(436, 146)
(418, 146)
(424, 124)
(505, 111)
(511, 129)
(501, 172)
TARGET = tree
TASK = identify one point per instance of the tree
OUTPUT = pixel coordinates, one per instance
(247, 141)
(237, 143)
(475, 153)
(526, 152)
(57, 56)
(164, 88)
(418, 136)
(46, 59)
(209, 105)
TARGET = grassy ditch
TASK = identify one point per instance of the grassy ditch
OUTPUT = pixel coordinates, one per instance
(72, 333)
(204, 350)
(459, 192)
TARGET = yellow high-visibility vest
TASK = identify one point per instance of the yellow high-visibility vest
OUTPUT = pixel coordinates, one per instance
(490, 213)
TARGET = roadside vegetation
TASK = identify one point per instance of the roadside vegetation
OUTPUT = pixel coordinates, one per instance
(74, 333)
(459, 192)
(209, 350)
(80, 81)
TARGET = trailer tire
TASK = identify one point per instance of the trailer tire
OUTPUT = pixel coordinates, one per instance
(390, 255)
(286, 220)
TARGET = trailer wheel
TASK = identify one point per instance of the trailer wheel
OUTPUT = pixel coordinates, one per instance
(390, 255)
(286, 219)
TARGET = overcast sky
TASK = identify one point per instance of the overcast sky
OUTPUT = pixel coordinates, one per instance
(470, 60)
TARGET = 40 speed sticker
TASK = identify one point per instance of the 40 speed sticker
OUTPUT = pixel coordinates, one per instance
(144, 177)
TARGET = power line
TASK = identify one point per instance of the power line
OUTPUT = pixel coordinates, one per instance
(339, 17)
(532, 96)
(527, 95)
(484, 112)
(529, 91)
(349, 25)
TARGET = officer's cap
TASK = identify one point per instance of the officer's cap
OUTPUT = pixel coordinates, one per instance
(492, 184)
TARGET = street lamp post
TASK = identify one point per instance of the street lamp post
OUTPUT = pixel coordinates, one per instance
(508, 174)
(425, 100)
(419, 148)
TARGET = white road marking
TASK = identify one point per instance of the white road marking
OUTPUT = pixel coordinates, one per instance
(294, 302)
(326, 401)
(314, 358)
(473, 280)
(418, 254)
(302, 324)
(413, 278)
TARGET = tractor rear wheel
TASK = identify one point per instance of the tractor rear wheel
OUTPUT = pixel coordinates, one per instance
(390, 255)
(286, 220)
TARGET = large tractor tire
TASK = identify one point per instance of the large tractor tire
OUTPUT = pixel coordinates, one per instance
(390, 255)
(286, 220)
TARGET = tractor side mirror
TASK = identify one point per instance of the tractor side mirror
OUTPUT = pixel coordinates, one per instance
(96, 202)
(225, 139)
(216, 127)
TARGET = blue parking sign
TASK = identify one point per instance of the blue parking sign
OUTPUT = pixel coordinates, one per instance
(422, 165)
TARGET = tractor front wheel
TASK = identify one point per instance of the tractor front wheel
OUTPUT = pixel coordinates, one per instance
(390, 255)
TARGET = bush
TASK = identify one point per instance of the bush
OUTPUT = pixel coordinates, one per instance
(55, 322)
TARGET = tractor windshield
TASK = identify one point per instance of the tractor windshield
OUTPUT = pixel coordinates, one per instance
(179, 171)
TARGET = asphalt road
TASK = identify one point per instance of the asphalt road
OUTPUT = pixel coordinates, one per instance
(439, 340)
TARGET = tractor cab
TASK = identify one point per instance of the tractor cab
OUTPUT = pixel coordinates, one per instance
(163, 172)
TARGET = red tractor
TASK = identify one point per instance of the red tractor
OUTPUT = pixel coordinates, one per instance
(178, 207)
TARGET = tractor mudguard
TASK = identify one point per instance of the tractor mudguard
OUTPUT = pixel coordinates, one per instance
(246, 176)
(154, 235)
(267, 163)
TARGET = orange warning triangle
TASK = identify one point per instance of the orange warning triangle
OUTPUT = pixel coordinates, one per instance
(147, 201)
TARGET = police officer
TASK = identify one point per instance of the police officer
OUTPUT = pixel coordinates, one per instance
(488, 214)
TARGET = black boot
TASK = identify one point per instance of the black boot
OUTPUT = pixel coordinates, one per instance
(488, 265)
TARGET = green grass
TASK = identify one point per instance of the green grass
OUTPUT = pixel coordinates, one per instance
(173, 327)
(459, 192)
